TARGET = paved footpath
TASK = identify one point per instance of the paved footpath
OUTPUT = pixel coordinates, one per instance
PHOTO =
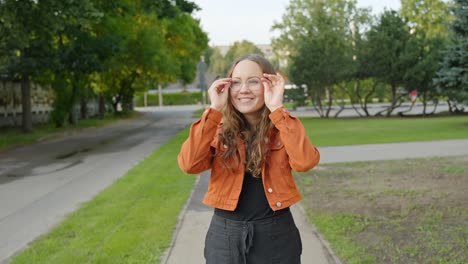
(187, 245)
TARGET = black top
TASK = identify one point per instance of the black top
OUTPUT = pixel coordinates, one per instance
(253, 204)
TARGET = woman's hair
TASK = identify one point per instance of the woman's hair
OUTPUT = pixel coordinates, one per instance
(234, 125)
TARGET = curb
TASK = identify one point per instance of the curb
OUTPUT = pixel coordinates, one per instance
(330, 254)
(180, 220)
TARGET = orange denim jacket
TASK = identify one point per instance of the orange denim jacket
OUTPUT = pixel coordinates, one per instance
(290, 150)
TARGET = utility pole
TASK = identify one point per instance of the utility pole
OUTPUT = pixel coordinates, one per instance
(161, 103)
(201, 69)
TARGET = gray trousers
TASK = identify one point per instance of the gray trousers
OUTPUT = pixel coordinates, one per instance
(273, 240)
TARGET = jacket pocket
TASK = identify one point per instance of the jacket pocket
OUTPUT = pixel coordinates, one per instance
(278, 155)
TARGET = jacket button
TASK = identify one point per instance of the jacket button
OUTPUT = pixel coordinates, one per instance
(278, 204)
(270, 190)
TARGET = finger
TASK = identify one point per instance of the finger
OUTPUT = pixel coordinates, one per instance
(220, 87)
(267, 82)
(276, 78)
(271, 76)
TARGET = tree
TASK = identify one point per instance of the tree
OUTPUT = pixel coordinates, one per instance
(26, 46)
(452, 78)
(78, 55)
(292, 27)
(218, 64)
(189, 42)
(158, 43)
(389, 57)
(420, 76)
(428, 22)
(239, 49)
(322, 55)
(426, 16)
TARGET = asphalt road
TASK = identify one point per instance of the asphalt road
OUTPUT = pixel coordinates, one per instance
(40, 184)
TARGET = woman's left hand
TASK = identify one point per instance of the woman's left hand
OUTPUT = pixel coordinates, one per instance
(273, 90)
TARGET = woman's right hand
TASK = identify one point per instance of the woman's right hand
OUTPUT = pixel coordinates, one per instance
(218, 93)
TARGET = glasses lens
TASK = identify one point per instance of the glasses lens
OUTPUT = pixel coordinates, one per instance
(236, 84)
(252, 84)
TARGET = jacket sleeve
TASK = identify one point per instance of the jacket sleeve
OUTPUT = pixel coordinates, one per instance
(195, 155)
(303, 155)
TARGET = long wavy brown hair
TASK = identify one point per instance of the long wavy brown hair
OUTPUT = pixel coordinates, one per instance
(236, 126)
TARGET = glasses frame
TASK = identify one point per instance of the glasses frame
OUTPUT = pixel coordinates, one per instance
(251, 87)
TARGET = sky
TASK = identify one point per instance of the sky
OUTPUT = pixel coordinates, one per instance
(227, 21)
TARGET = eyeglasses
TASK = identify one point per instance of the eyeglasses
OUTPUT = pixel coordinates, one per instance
(254, 84)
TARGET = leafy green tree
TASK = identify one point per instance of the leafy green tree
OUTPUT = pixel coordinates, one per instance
(26, 46)
(189, 42)
(218, 64)
(46, 37)
(156, 46)
(238, 49)
(452, 78)
(292, 27)
(207, 55)
(323, 55)
(428, 22)
(427, 16)
(389, 56)
(420, 76)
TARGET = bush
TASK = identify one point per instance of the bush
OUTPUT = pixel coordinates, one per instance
(296, 96)
(170, 99)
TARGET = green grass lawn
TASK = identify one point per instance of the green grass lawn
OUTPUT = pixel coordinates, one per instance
(10, 137)
(132, 221)
(355, 131)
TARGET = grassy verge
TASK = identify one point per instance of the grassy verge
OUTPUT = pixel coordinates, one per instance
(355, 131)
(410, 211)
(132, 221)
(14, 136)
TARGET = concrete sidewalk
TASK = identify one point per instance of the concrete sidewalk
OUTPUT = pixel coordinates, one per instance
(188, 241)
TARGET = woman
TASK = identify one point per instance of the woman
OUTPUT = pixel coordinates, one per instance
(251, 143)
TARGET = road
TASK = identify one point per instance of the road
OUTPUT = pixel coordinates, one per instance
(41, 183)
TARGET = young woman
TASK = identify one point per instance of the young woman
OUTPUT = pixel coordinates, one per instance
(251, 143)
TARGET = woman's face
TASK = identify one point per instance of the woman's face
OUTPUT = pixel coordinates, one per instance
(246, 89)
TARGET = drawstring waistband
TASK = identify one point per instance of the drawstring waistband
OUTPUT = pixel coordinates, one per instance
(245, 230)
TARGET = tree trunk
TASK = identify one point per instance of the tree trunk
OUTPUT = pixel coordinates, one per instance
(83, 107)
(26, 115)
(330, 100)
(392, 105)
(71, 110)
(436, 103)
(424, 102)
(116, 102)
(102, 106)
